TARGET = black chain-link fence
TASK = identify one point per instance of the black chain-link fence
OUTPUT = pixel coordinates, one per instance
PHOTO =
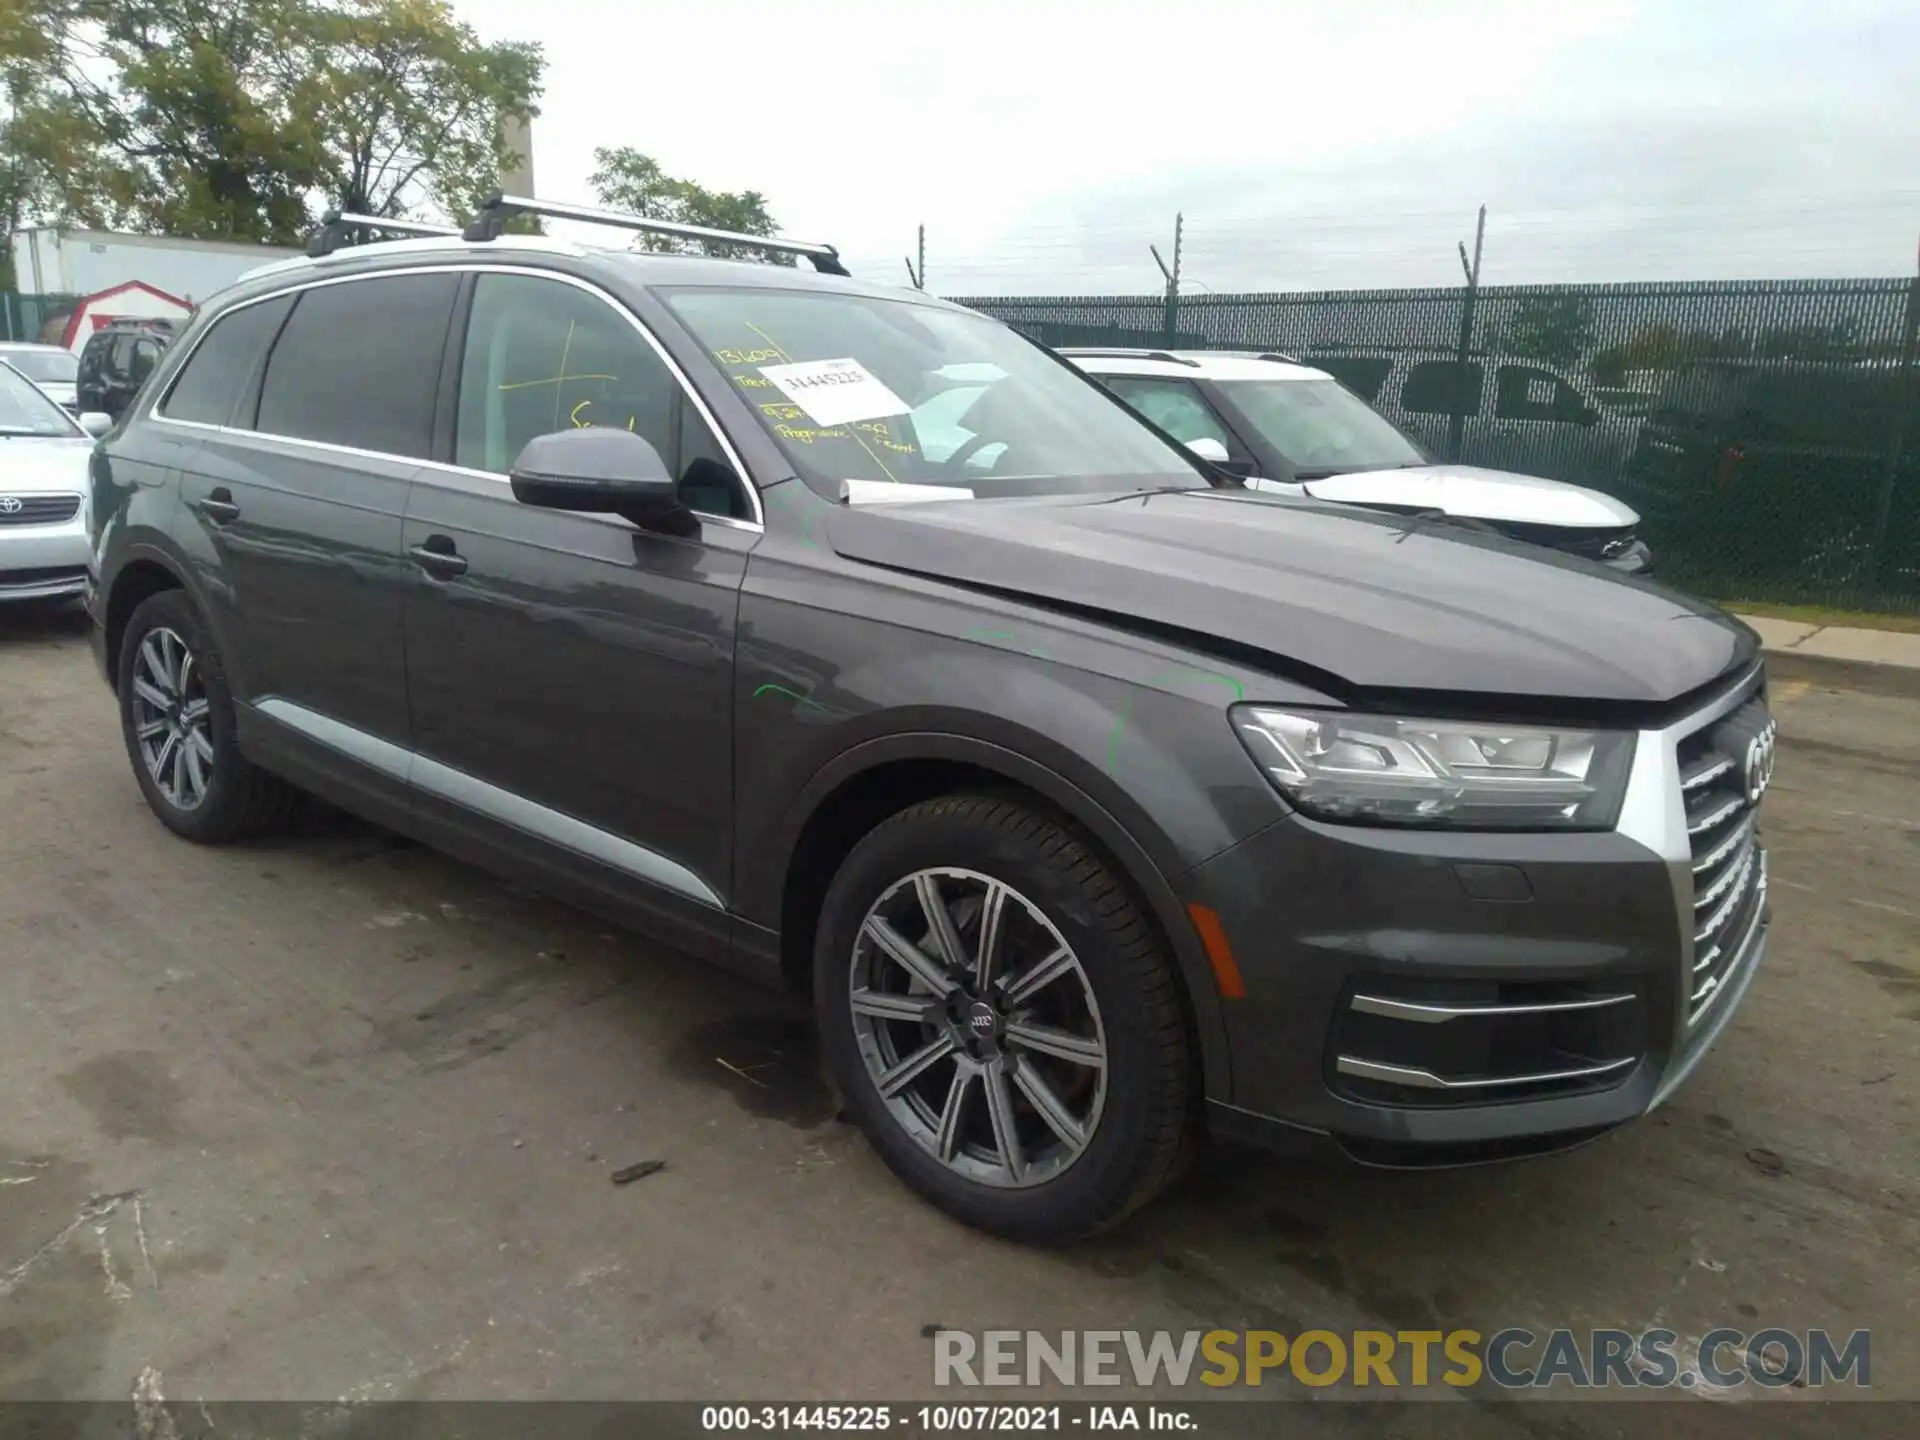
(1768, 432)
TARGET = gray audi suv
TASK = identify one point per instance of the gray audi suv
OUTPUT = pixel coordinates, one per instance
(1099, 802)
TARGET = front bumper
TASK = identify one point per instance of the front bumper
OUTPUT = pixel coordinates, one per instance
(44, 562)
(1427, 998)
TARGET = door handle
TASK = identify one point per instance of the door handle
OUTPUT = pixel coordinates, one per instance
(218, 506)
(438, 558)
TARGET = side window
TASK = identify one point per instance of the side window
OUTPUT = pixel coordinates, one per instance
(1174, 405)
(358, 364)
(217, 371)
(1524, 393)
(1438, 387)
(542, 355)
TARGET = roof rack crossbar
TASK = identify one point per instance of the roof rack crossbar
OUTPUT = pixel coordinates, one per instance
(1124, 353)
(337, 229)
(489, 222)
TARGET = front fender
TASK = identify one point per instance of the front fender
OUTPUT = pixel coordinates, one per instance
(841, 669)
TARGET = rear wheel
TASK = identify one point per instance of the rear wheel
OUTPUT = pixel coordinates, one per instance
(1001, 1019)
(176, 714)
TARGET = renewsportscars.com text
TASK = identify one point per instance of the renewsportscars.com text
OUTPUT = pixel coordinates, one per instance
(1514, 1358)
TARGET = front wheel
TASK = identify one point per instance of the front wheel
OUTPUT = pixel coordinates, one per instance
(1002, 1020)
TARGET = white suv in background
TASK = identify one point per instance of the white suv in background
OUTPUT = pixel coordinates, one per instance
(1290, 427)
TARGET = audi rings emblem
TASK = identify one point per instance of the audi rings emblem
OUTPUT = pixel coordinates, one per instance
(1759, 767)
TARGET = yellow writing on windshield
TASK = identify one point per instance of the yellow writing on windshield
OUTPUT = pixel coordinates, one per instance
(806, 434)
(748, 357)
(783, 410)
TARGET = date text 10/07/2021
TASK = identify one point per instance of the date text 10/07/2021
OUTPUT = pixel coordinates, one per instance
(943, 1419)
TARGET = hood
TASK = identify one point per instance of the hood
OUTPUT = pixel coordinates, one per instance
(1471, 493)
(1369, 600)
(35, 465)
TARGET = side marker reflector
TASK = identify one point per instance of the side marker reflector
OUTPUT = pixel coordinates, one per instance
(1226, 974)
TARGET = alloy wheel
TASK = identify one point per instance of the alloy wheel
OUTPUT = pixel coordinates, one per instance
(171, 719)
(979, 1027)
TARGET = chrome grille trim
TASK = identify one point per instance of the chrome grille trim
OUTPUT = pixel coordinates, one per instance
(1702, 1001)
(1725, 848)
(1427, 1080)
(38, 508)
(1727, 868)
(1702, 775)
(1746, 872)
(1726, 811)
(1436, 1014)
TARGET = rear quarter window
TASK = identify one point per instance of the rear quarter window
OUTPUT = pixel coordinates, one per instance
(221, 364)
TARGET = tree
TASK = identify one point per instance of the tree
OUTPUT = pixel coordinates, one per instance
(237, 118)
(1556, 330)
(627, 180)
(408, 104)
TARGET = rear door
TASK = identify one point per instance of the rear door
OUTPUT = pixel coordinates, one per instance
(299, 499)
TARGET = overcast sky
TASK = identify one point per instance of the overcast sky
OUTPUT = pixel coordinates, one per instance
(1045, 144)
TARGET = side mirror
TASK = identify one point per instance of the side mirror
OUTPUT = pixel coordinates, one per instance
(600, 471)
(1209, 449)
(96, 422)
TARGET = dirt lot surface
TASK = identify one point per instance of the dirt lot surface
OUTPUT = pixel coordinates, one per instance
(332, 1117)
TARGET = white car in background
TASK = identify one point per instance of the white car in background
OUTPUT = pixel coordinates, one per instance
(43, 488)
(1291, 428)
(53, 368)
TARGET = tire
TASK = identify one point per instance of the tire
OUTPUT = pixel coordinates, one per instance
(1116, 993)
(205, 790)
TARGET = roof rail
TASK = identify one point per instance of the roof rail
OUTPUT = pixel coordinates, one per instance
(1122, 353)
(489, 222)
(337, 229)
(1276, 355)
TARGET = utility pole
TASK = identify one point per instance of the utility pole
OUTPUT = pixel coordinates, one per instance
(1457, 425)
(1172, 277)
(918, 273)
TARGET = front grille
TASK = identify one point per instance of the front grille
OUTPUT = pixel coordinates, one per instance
(1439, 1043)
(1721, 769)
(38, 509)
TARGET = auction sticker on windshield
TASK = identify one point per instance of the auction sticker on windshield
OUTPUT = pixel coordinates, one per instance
(835, 392)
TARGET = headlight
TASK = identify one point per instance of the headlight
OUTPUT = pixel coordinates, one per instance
(1448, 774)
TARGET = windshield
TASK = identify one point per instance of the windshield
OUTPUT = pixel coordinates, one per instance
(44, 367)
(27, 411)
(857, 388)
(1320, 426)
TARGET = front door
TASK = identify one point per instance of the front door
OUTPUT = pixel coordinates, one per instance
(571, 675)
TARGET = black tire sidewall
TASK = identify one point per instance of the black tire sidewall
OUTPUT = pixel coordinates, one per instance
(1097, 1185)
(225, 797)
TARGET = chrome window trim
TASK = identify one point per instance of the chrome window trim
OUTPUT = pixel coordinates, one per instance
(505, 807)
(1654, 810)
(156, 413)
